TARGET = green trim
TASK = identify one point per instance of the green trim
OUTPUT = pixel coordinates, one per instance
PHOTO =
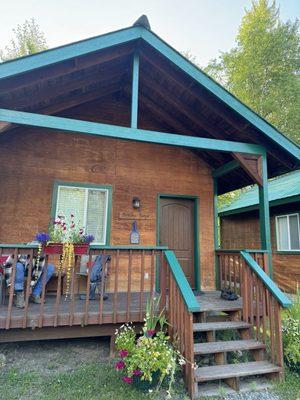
(197, 272)
(86, 186)
(18, 246)
(121, 132)
(182, 283)
(272, 203)
(221, 93)
(264, 215)
(267, 281)
(68, 51)
(225, 169)
(216, 232)
(135, 90)
(72, 50)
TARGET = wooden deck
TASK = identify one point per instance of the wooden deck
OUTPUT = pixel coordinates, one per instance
(211, 301)
(116, 309)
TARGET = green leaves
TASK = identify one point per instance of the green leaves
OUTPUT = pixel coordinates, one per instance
(263, 68)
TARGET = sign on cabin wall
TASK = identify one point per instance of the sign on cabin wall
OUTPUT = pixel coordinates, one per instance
(125, 215)
(135, 234)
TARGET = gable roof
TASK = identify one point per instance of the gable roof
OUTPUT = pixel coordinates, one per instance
(283, 189)
(209, 111)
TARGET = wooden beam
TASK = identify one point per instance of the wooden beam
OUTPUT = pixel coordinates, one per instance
(264, 213)
(120, 132)
(250, 164)
(213, 106)
(4, 126)
(40, 76)
(135, 90)
(225, 169)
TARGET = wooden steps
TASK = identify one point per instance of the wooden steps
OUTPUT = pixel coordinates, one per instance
(226, 346)
(220, 326)
(215, 372)
(216, 316)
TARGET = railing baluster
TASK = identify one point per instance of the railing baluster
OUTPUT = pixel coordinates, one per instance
(87, 289)
(152, 275)
(101, 294)
(142, 278)
(129, 285)
(116, 287)
(11, 289)
(27, 293)
(72, 295)
(44, 276)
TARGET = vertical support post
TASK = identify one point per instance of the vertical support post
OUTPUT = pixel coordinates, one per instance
(135, 90)
(216, 232)
(264, 213)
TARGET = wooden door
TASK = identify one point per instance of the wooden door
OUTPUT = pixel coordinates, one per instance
(177, 232)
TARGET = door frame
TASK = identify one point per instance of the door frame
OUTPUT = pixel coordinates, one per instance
(195, 199)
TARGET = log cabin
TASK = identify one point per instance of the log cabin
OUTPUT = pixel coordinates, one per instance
(123, 130)
(239, 224)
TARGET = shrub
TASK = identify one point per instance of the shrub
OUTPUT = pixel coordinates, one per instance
(291, 334)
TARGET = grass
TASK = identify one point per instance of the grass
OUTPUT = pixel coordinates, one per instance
(289, 389)
(94, 381)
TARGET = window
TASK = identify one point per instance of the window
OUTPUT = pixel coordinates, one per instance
(89, 206)
(288, 232)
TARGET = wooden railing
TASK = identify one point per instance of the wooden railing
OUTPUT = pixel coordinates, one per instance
(180, 304)
(130, 281)
(244, 272)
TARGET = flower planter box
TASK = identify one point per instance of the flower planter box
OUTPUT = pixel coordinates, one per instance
(57, 248)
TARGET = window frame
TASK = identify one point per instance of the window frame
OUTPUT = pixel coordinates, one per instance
(87, 186)
(289, 250)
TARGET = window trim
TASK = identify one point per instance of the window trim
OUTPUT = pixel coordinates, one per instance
(81, 185)
(289, 235)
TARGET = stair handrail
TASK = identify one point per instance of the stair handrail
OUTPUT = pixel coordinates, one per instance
(181, 281)
(283, 300)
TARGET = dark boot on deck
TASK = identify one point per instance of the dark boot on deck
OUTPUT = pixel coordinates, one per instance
(19, 301)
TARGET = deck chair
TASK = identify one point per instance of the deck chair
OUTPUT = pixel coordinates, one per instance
(98, 274)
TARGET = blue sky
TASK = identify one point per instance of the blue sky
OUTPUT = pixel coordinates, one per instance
(204, 27)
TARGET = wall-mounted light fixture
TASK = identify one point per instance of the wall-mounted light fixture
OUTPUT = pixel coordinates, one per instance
(136, 203)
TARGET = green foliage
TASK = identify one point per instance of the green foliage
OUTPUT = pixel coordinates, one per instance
(263, 68)
(289, 388)
(291, 334)
(27, 39)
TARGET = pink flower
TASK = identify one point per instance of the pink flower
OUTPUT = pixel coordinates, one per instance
(65, 228)
(137, 372)
(72, 215)
(123, 353)
(119, 365)
(73, 226)
(127, 379)
(150, 332)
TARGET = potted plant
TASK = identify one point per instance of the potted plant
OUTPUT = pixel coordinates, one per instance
(146, 360)
(66, 239)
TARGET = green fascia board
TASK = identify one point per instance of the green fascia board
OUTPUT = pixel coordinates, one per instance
(62, 53)
(182, 283)
(225, 169)
(135, 90)
(97, 43)
(221, 93)
(267, 281)
(121, 132)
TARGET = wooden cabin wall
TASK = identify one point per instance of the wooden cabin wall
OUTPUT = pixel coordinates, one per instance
(32, 159)
(241, 231)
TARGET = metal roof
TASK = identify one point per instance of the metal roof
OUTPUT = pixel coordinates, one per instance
(282, 189)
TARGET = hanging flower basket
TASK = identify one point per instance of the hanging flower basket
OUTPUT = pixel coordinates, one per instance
(57, 248)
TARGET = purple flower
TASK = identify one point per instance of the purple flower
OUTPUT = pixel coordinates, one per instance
(137, 372)
(150, 332)
(88, 238)
(119, 365)
(123, 353)
(127, 379)
(42, 237)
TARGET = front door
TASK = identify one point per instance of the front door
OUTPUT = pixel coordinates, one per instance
(176, 231)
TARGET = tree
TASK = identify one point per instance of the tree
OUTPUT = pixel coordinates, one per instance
(27, 39)
(263, 68)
